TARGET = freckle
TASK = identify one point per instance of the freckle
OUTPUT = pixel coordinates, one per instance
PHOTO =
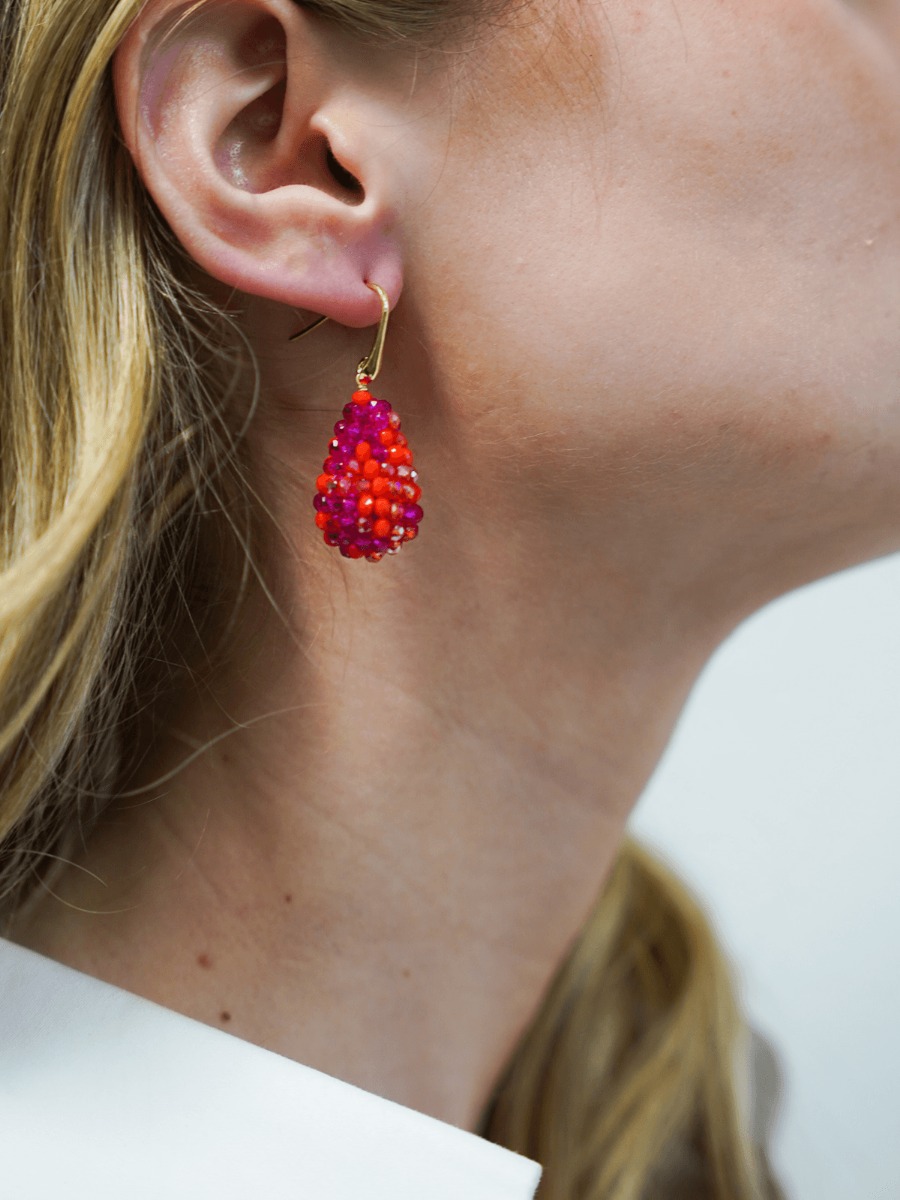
(204, 961)
(406, 972)
(288, 897)
(225, 1016)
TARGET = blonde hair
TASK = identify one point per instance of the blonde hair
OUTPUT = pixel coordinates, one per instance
(117, 441)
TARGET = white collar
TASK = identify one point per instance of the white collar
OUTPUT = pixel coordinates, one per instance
(105, 1095)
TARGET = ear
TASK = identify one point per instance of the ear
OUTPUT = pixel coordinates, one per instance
(261, 132)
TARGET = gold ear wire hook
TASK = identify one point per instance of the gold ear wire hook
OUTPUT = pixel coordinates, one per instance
(371, 364)
(308, 329)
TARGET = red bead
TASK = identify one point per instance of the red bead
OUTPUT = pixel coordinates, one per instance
(323, 483)
(353, 552)
(399, 456)
(380, 486)
(386, 437)
(363, 451)
(410, 532)
(382, 528)
(382, 506)
(361, 397)
(371, 468)
(366, 504)
(323, 520)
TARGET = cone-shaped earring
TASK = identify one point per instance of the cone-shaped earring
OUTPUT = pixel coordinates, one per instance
(367, 497)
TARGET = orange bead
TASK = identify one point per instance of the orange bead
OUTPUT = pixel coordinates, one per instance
(380, 486)
(363, 451)
(323, 482)
(410, 532)
(361, 397)
(399, 456)
(371, 468)
(366, 504)
(382, 528)
(382, 507)
(386, 437)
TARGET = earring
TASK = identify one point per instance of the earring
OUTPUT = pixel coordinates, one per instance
(367, 496)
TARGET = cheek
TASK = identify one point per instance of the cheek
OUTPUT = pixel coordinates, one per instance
(754, 182)
(687, 257)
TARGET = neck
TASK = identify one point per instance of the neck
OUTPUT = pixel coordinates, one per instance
(380, 867)
(416, 775)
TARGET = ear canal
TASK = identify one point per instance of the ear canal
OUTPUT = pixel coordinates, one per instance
(244, 157)
(343, 177)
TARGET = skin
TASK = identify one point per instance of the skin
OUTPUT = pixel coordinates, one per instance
(648, 359)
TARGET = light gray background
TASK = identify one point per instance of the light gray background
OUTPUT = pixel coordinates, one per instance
(778, 801)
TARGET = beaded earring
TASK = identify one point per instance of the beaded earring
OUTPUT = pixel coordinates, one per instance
(367, 496)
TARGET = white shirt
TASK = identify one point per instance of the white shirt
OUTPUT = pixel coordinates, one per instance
(107, 1096)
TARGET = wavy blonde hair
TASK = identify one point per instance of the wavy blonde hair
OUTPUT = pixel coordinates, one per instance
(117, 444)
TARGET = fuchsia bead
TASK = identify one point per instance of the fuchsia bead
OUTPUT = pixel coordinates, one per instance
(366, 497)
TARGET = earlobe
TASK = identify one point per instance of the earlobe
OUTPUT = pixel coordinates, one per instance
(261, 152)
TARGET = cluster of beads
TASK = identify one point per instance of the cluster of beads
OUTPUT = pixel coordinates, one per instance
(366, 497)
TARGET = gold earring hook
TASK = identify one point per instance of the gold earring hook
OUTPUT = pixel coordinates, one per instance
(371, 364)
(308, 329)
